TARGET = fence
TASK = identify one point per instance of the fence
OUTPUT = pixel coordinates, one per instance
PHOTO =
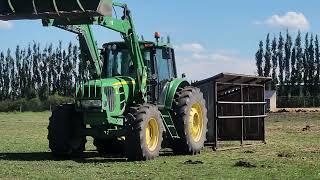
(298, 102)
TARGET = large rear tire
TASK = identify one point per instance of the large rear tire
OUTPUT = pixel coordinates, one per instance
(191, 121)
(64, 136)
(145, 130)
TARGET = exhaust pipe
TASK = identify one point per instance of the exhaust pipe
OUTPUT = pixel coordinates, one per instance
(53, 9)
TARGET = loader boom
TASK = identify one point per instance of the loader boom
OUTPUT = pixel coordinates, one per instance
(80, 24)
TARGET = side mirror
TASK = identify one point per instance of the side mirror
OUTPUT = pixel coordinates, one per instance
(183, 75)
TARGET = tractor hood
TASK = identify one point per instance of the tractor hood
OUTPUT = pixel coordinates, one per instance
(95, 89)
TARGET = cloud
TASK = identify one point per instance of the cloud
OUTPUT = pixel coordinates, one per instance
(290, 20)
(207, 63)
(5, 25)
(190, 47)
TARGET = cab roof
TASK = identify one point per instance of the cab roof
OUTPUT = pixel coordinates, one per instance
(144, 43)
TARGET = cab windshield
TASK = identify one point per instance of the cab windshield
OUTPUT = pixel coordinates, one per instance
(119, 63)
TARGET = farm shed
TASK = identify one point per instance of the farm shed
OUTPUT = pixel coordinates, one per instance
(271, 100)
(236, 107)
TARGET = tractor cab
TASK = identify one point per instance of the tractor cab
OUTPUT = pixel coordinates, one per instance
(159, 60)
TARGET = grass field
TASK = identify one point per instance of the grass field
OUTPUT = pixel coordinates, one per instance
(290, 153)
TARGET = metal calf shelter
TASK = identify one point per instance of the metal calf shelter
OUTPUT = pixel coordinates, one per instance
(236, 107)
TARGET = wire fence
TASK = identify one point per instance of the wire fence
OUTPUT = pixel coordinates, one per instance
(298, 102)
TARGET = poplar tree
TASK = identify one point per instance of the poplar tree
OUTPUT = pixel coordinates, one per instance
(267, 57)
(274, 64)
(311, 67)
(281, 62)
(259, 59)
(306, 66)
(299, 59)
(2, 76)
(288, 46)
(317, 66)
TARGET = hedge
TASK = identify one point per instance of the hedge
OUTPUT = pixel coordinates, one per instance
(35, 104)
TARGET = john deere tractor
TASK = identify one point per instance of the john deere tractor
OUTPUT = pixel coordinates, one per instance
(135, 103)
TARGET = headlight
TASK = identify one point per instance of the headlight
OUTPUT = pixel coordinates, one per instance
(91, 103)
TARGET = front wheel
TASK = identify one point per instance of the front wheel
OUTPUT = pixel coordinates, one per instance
(64, 138)
(144, 138)
(191, 120)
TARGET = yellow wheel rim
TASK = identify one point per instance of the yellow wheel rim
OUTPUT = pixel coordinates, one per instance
(196, 122)
(152, 134)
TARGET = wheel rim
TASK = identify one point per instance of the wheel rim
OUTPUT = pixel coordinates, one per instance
(152, 134)
(196, 122)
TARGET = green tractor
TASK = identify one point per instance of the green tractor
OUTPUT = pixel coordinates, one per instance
(135, 103)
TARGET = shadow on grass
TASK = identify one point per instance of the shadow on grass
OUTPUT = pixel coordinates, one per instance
(87, 157)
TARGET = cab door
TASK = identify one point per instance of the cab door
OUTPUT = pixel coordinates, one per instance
(166, 71)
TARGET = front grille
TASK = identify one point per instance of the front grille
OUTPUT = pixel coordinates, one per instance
(89, 92)
(92, 91)
(110, 98)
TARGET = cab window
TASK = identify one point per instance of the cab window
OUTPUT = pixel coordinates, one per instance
(162, 66)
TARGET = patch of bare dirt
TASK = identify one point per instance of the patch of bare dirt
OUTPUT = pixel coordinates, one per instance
(312, 150)
(245, 164)
(193, 162)
(285, 154)
(307, 128)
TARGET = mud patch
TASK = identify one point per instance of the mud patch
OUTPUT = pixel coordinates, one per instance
(245, 164)
(312, 150)
(307, 128)
(193, 162)
(248, 152)
(285, 154)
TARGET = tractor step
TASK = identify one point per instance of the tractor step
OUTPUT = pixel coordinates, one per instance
(170, 127)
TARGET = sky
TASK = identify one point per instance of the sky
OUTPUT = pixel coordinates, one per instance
(209, 37)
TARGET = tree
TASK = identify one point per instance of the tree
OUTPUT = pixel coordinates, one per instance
(267, 58)
(2, 75)
(311, 66)
(43, 91)
(274, 64)
(259, 59)
(306, 66)
(288, 46)
(281, 62)
(7, 75)
(317, 66)
(293, 79)
(75, 66)
(299, 59)
(50, 69)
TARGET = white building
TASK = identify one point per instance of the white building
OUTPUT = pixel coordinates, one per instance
(271, 99)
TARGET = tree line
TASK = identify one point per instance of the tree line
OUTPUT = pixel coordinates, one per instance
(293, 65)
(36, 72)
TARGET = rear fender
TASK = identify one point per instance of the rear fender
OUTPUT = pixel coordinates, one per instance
(172, 89)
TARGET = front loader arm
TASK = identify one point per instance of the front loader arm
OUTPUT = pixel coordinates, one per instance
(126, 27)
(87, 43)
(77, 17)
